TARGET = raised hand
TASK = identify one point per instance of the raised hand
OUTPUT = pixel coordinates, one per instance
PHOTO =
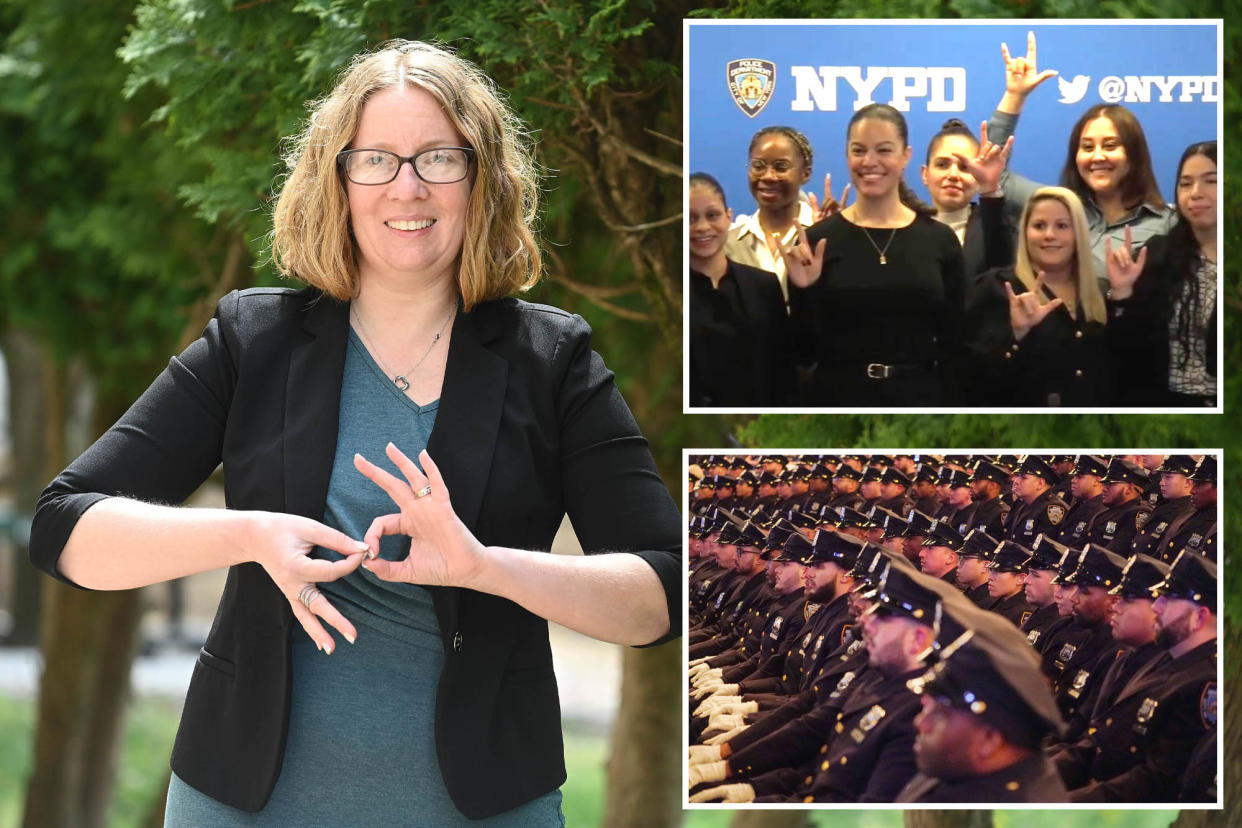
(443, 552)
(1021, 73)
(1123, 268)
(988, 163)
(802, 264)
(830, 205)
(1026, 310)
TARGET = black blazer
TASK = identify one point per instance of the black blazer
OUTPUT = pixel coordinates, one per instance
(530, 427)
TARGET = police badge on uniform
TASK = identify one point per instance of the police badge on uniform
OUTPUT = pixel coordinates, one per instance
(843, 684)
(868, 721)
(1110, 529)
(1207, 705)
(1033, 636)
(751, 83)
(775, 632)
(1140, 519)
(1067, 652)
(1079, 682)
(1030, 525)
(1055, 513)
(1159, 529)
(1146, 710)
(1195, 540)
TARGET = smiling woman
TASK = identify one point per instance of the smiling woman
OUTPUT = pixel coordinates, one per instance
(408, 212)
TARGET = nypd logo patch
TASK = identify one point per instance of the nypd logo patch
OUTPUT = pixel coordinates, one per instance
(751, 83)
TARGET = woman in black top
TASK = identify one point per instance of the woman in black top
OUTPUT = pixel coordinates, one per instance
(740, 348)
(1042, 318)
(1162, 323)
(876, 291)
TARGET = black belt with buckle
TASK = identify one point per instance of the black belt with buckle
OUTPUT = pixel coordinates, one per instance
(880, 371)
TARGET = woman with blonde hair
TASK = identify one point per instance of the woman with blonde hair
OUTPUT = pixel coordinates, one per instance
(1042, 319)
(409, 214)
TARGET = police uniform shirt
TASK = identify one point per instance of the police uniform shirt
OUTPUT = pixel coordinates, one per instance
(1079, 682)
(1044, 515)
(1144, 742)
(1151, 538)
(869, 754)
(783, 626)
(927, 505)
(1201, 780)
(1078, 522)
(989, 516)
(980, 596)
(852, 500)
(1014, 607)
(823, 624)
(1098, 695)
(960, 519)
(1195, 532)
(1040, 620)
(1081, 645)
(899, 504)
(1031, 780)
(1115, 528)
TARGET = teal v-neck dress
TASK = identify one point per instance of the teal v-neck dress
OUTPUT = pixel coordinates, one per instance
(361, 747)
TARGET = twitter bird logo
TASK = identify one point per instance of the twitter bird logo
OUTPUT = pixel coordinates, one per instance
(1073, 91)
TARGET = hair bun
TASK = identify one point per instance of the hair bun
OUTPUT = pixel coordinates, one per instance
(953, 123)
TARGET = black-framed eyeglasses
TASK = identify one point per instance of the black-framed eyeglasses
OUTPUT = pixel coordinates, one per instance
(437, 165)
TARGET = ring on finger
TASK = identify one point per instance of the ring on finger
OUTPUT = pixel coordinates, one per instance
(424, 491)
(307, 594)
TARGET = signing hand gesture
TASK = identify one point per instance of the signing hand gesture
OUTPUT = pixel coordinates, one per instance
(830, 205)
(1026, 310)
(443, 552)
(989, 163)
(281, 545)
(802, 264)
(1021, 73)
(1123, 269)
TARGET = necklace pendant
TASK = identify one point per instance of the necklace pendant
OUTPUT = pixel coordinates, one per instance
(883, 259)
(401, 382)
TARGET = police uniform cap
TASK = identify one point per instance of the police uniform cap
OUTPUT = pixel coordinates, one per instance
(1139, 575)
(895, 475)
(1047, 554)
(781, 530)
(1008, 461)
(1037, 466)
(872, 473)
(898, 593)
(1067, 565)
(1010, 556)
(917, 523)
(723, 481)
(977, 544)
(895, 525)
(739, 463)
(804, 520)
(748, 477)
(942, 534)
(821, 472)
(869, 566)
(751, 535)
(1205, 472)
(1124, 471)
(987, 470)
(1192, 577)
(956, 478)
(1061, 458)
(730, 535)
(925, 473)
(879, 514)
(795, 548)
(957, 459)
(838, 547)
(1177, 464)
(774, 458)
(767, 479)
(708, 482)
(1097, 567)
(988, 673)
(852, 517)
(1090, 464)
(849, 472)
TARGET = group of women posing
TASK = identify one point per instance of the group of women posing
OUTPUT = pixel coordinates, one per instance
(1093, 293)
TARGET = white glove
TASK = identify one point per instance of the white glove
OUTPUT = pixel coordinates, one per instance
(712, 675)
(738, 707)
(704, 753)
(696, 669)
(721, 738)
(737, 792)
(709, 772)
(726, 721)
(696, 662)
(704, 692)
(713, 703)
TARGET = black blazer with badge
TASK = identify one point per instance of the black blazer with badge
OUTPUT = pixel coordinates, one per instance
(530, 427)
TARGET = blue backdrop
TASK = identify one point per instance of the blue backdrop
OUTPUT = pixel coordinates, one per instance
(813, 76)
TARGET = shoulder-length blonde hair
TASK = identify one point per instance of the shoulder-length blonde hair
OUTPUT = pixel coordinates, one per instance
(1090, 297)
(311, 235)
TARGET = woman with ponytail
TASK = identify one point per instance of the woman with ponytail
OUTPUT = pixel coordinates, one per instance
(877, 290)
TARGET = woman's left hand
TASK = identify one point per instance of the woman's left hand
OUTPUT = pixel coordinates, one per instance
(443, 552)
(988, 165)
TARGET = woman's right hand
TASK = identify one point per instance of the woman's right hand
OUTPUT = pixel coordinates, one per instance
(281, 544)
(989, 164)
(802, 264)
(1123, 268)
(1026, 310)
(1021, 75)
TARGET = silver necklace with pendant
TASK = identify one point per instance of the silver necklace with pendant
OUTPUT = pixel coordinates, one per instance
(400, 379)
(891, 234)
